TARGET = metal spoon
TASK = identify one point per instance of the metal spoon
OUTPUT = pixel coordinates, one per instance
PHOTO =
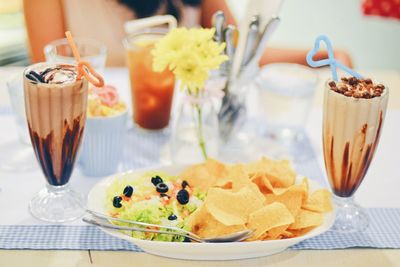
(218, 21)
(269, 29)
(231, 34)
(251, 41)
(102, 220)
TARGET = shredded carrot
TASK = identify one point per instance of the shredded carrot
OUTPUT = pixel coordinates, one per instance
(164, 202)
(125, 198)
(190, 191)
(84, 68)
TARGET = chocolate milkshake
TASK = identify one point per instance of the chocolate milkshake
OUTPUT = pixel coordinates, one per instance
(354, 111)
(55, 104)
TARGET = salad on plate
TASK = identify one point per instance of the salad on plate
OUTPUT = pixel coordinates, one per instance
(213, 199)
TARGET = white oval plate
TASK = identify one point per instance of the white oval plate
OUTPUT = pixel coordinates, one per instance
(201, 251)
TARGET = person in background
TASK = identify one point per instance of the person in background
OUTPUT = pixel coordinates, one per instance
(47, 20)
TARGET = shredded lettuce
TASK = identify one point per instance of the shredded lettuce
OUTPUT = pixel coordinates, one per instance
(150, 210)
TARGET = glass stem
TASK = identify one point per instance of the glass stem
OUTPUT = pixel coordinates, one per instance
(200, 134)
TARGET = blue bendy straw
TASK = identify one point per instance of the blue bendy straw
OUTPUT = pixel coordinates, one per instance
(331, 61)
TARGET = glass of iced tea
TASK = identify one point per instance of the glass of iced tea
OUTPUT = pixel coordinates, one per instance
(354, 111)
(151, 91)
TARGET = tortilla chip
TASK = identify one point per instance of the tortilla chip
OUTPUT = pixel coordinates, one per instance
(275, 233)
(305, 219)
(233, 208)
(261, 196)
(238, 177)
(263, 183)
(279, 173)
(227, 185)
(204, 175)
(287, 234)
(267, 218)
(304, 183)
(203, 224)
(254, 188)
(303, 231)
(319, 201)
(292, 198)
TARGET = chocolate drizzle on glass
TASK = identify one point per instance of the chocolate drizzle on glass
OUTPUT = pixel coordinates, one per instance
(46, 147)
(354, 165)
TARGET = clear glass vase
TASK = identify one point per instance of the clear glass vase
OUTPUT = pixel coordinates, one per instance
(195, 134)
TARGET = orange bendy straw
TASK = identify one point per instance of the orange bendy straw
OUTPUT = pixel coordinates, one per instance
(84, 68)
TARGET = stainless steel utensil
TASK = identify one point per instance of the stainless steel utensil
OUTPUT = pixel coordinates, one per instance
(218, 21)
(233, 109)
(102, 220)
(253, 37)
(232, 113)
(269, 29)
(231, 38)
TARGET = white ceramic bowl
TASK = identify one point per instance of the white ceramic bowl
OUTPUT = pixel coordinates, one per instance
(202, 251)
(103, 142)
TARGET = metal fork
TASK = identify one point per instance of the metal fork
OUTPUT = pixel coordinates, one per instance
(102, 220)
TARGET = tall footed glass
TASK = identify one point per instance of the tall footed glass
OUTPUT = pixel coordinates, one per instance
(55, 103)
(352, 125)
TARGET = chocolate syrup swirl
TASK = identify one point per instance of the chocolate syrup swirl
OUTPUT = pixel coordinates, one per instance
(53, 75)
(45, 149)
(351, 174)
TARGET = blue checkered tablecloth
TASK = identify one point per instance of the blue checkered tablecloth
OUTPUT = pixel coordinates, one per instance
(383, 232)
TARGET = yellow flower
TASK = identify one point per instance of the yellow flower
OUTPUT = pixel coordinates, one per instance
(211, 54)
(190, 54)
(167, 49)
(201, 35)
(190, 71)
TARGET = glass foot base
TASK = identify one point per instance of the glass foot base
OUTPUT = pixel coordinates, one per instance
(350, 217)
(57, 204)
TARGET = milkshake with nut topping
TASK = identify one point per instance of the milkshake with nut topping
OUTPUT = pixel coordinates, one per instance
(354, 111)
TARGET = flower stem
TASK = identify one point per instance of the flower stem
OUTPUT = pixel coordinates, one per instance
(200, 134)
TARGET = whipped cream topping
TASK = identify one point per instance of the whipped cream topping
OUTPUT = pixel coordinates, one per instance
(57, 74)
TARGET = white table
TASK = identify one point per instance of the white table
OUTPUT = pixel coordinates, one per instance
(380, 189)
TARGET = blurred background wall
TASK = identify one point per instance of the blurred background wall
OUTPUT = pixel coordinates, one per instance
(12, 33)
(373, 42)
